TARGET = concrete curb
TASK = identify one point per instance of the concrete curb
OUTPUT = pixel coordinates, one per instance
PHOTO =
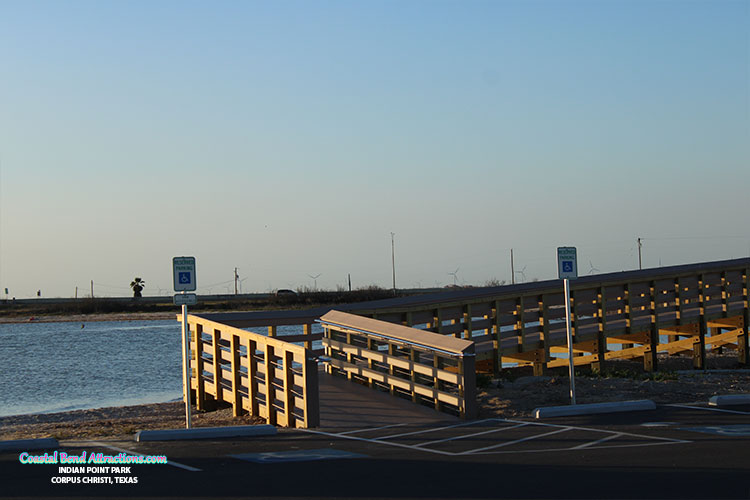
(205, 433)
(729, 400)
(29, 444)
(592, 408)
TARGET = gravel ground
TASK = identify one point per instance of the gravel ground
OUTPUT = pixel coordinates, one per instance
(516, 394)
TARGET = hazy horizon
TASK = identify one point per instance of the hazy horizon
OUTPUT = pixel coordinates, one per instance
(289, 139)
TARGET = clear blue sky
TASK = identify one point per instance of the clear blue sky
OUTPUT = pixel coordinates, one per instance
(291, 138)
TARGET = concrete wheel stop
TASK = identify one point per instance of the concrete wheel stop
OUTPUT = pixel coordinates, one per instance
(729, 400)
(594, 408)
(29, 444)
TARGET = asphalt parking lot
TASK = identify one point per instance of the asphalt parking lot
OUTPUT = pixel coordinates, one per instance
(676, 451)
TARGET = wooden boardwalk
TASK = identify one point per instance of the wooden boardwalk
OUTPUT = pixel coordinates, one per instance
(628, 315)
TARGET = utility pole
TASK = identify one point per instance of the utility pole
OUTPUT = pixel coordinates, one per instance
(512, 270)
(92, 289)
(350, 281)
(236, 277)
(640, 261)
(393, 261)
(76, 293)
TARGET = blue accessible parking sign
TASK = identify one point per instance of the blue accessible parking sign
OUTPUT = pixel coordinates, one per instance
(567, 263)
(184, 274)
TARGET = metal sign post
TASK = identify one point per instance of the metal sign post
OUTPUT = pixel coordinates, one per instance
(567, 268)
(184, 280)
(186, 366)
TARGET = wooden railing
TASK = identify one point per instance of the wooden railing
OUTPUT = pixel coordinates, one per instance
(628, 315)
(672, 310)
(301, 321)
(422, 366)
(264, 376)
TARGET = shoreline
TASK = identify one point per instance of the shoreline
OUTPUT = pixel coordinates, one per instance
(90, 318)
(515, 394)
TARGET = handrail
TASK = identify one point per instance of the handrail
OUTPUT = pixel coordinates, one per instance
(261, 375)
(409, 336)
(423, 366)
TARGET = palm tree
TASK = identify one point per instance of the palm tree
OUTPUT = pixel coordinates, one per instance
(137, 285)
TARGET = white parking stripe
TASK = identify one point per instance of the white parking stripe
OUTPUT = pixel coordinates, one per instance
(598, 441)
(547, 450)
(489, 450)
(528, 438)
(643, 436)
(366, 429)
(400, 445)
(123, 450)
(424, 431)
(499, 429)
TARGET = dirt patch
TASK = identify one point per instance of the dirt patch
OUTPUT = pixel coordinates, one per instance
(517, 394)
(118, 421)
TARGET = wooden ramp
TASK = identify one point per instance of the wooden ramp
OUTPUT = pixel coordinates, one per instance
(345, 405)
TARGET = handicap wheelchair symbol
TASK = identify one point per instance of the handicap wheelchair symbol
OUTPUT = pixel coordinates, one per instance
(567, 266)
(184, 278)
(722, 430)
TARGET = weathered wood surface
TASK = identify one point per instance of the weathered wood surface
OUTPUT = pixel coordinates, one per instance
(262, 375)
(628, 315)
(423, 366)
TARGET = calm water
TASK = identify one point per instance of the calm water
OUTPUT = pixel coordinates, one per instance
(50, 367)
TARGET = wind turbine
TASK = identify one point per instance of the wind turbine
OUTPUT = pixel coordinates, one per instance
(522, 272)
(315, 280)
(593, 269)
(455, 275)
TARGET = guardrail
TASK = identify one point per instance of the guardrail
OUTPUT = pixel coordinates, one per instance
(425, 367)
(265, 376)
(675, 309)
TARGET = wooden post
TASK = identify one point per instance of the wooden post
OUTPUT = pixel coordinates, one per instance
(307, 330)
(216, 353)
(699, 343)
(601, 337)
(521, 323)
(311, 396)
(743, 350)
(436, 380)
(650, 360)
(628, 322)
(349, 375)
(678, 309)
(272, 331)
(270, 392)
(200, 381)
(438, 318)
(252, 377)
(544, 324)
(497, 360)
(468, 388)
(370, 347)
(289, 389)
(236, 396)
(467, 322)
(391, 371)
(407, 321)
(414, 357)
